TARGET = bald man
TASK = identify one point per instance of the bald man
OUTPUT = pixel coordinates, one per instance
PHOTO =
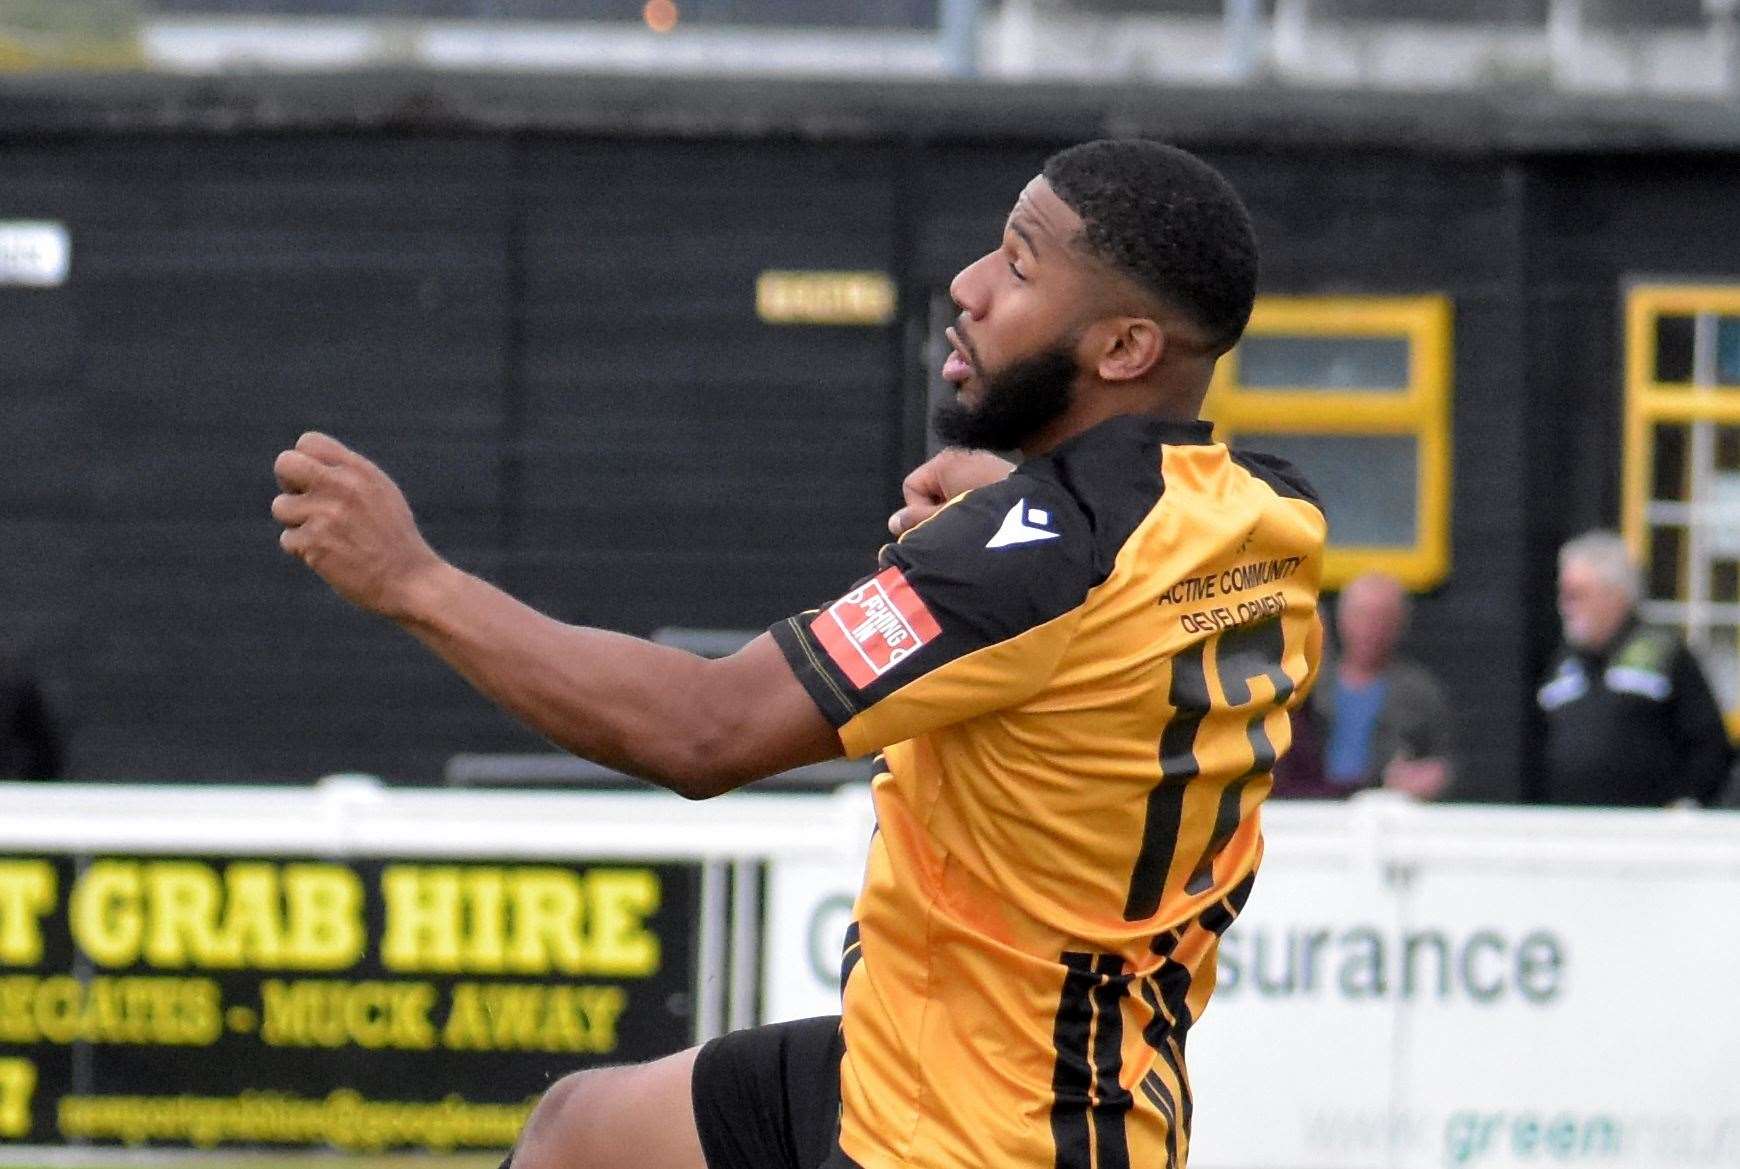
(1379, 720)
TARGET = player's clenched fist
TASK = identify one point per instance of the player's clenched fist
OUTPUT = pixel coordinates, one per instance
(348, 521)
(946, 475)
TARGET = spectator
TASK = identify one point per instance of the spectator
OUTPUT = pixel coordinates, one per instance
(1375, 719)
(1630, 719)
(29, 740)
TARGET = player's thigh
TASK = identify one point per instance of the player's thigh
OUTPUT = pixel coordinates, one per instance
(763, 1098)
(636, 1117)
(769, 1097)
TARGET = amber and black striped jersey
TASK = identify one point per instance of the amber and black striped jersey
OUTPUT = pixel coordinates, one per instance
(1079, 678)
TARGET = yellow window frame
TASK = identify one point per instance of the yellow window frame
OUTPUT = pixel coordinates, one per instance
(1421, 411)
(1648, 401)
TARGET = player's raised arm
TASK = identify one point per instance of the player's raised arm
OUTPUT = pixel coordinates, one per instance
(697, 726)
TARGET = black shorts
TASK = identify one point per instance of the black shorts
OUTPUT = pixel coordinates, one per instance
(769, 1097)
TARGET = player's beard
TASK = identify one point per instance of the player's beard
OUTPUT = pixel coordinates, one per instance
(1018, 401)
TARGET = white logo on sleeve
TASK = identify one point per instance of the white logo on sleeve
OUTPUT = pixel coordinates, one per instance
(1023, 525)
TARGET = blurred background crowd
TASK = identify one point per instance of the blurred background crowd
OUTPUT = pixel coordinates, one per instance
(643, 303)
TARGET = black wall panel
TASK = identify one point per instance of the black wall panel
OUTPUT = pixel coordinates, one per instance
(553, 346)
(680, 461)
(1596, 223)
(226, 295)
(1397, 223)
(550, 338)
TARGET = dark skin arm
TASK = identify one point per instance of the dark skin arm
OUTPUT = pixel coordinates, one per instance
(699, 727)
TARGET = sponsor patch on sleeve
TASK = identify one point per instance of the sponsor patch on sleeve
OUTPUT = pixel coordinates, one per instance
(875, 627)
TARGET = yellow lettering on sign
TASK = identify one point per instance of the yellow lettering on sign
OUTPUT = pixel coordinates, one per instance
(547, 925)
(17, 1086)
(533, 1017)
(312, 1012)
(61, 1009)
(825, 298)
(325, 905)
(184, 897)
(424, 918)
(486, 937)
(106, 914)
(250, 931)
(251, 914)
(27, 891)
(525, 920)
(622, 900)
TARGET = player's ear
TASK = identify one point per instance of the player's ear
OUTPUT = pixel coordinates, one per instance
(1129, 348)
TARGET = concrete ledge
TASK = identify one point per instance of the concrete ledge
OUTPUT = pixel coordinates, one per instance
(935, 112)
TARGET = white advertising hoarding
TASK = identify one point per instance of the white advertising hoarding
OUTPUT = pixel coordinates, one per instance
(1410, 987)
(1426, 987)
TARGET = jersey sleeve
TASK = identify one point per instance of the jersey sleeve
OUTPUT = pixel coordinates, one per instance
(967, 613)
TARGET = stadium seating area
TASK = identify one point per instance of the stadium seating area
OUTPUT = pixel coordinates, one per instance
(1681, 48)
(924, 13)
(835, 13)
(1522, 13)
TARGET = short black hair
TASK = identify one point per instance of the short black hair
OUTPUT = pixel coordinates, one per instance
(1170, 222)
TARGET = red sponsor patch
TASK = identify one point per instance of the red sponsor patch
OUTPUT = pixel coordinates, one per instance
(875, 627)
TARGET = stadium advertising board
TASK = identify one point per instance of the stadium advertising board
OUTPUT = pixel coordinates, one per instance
(1421, 988)
(359, 1003)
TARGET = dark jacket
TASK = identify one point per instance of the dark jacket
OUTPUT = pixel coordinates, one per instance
(1634, 725)
(1412, 723)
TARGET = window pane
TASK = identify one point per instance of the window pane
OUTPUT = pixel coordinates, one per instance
(1324, 363)
(1369, 484)
(1666, 554)
(1725, 581)
(1719, 653)
(1674, 343)
(1727, 448)
(1718, 504)
(1728, 351)
(1669, 471)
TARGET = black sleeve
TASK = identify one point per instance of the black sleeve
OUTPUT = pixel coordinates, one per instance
(990, 570)
(1705, 752)
(1287, 480)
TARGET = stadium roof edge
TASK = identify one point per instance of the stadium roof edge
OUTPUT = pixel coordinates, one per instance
(1500, 122)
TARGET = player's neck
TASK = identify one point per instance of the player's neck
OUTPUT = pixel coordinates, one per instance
(1085, 415)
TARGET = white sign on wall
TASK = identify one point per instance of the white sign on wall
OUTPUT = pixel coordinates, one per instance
(34, 253)
(1430, 988)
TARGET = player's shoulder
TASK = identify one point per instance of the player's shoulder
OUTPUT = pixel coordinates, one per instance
(1078, 502)
(1115, 474)
(1023, 533)
(1005, 558)
(1281, 477)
